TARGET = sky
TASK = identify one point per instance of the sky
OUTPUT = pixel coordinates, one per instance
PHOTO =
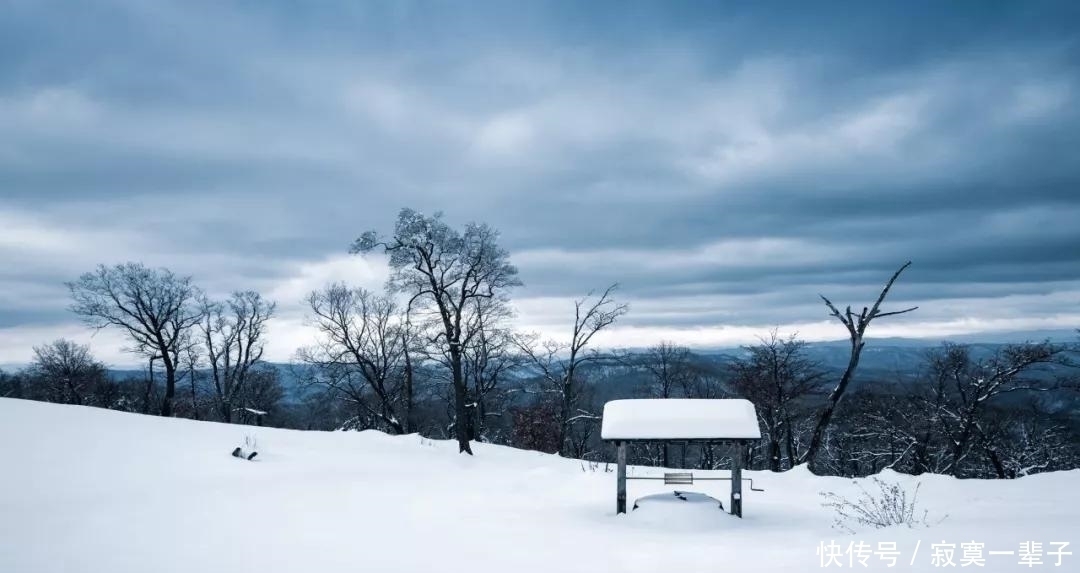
(724, 163)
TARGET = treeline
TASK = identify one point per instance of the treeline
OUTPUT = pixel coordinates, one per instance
(1003, 415)
(434, 353)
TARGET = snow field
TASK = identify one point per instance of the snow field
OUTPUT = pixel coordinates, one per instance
(89, 490)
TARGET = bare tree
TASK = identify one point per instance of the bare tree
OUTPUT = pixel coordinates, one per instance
(489, 361)
(12, 385)
(1023, 441)
(233, 336)
(669, 369)
(446, 272)
(67, 371)
(361, 354)
(192, 358)
(775, 375)
(668, 365)
(260, 395)
(973, 386)
(153, 306)
(963, 415)
(560, 363)
(856, 325)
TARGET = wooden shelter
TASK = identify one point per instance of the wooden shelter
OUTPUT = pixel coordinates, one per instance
(730, 423)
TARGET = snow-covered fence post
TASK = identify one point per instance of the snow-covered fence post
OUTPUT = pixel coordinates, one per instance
(620, 495)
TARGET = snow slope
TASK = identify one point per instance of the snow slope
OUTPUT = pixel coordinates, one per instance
(88, 490)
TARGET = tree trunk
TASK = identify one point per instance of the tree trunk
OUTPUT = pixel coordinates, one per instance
(481, 413)
(921, 462)
(149, 388)
(170, 388)
(790, 442)
(461, 410)
(226, 410)
(170, 392)
(774, 452)
(76, 398)
(960, 446)
(564, 418)
(194, 404)
(995, 460)
(408, 393)
(826, 416)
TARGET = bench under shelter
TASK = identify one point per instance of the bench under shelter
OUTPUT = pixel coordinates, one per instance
(729, 423)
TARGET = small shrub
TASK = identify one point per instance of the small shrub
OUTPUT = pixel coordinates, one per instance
(536, 427)
(593, 467)
(890, 505)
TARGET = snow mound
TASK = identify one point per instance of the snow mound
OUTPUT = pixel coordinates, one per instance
(680, 511)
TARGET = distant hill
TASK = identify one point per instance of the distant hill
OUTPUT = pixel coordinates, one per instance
(883, 359)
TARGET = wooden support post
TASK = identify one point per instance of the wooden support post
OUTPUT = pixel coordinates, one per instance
(620, 495)
(736, 479)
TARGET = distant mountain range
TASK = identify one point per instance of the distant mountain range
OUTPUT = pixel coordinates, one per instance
(882, 356)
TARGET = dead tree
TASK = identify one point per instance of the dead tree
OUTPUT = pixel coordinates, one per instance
(856, 325)
(560, 363)
(154, 307)
(233, 336)
(446, 272)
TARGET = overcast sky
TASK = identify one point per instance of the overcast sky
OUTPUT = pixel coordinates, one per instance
(724, 165)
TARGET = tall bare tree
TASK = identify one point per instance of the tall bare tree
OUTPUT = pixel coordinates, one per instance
(489, 361)
(362, 354)
(154, 307)
(560, 363)
(856, 325)
(233, 334)
(446, 272)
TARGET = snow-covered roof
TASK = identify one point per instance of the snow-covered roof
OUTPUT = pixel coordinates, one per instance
(679, 419)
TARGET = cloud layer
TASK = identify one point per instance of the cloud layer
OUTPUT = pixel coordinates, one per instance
(725, 165)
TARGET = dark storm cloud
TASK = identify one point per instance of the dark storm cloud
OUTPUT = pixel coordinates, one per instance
(724, 163)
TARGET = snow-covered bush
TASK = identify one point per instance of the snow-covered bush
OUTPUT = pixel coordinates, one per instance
(890, 505)
(249, 450)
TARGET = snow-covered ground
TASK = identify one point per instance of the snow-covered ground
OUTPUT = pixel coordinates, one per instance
(88, 490)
